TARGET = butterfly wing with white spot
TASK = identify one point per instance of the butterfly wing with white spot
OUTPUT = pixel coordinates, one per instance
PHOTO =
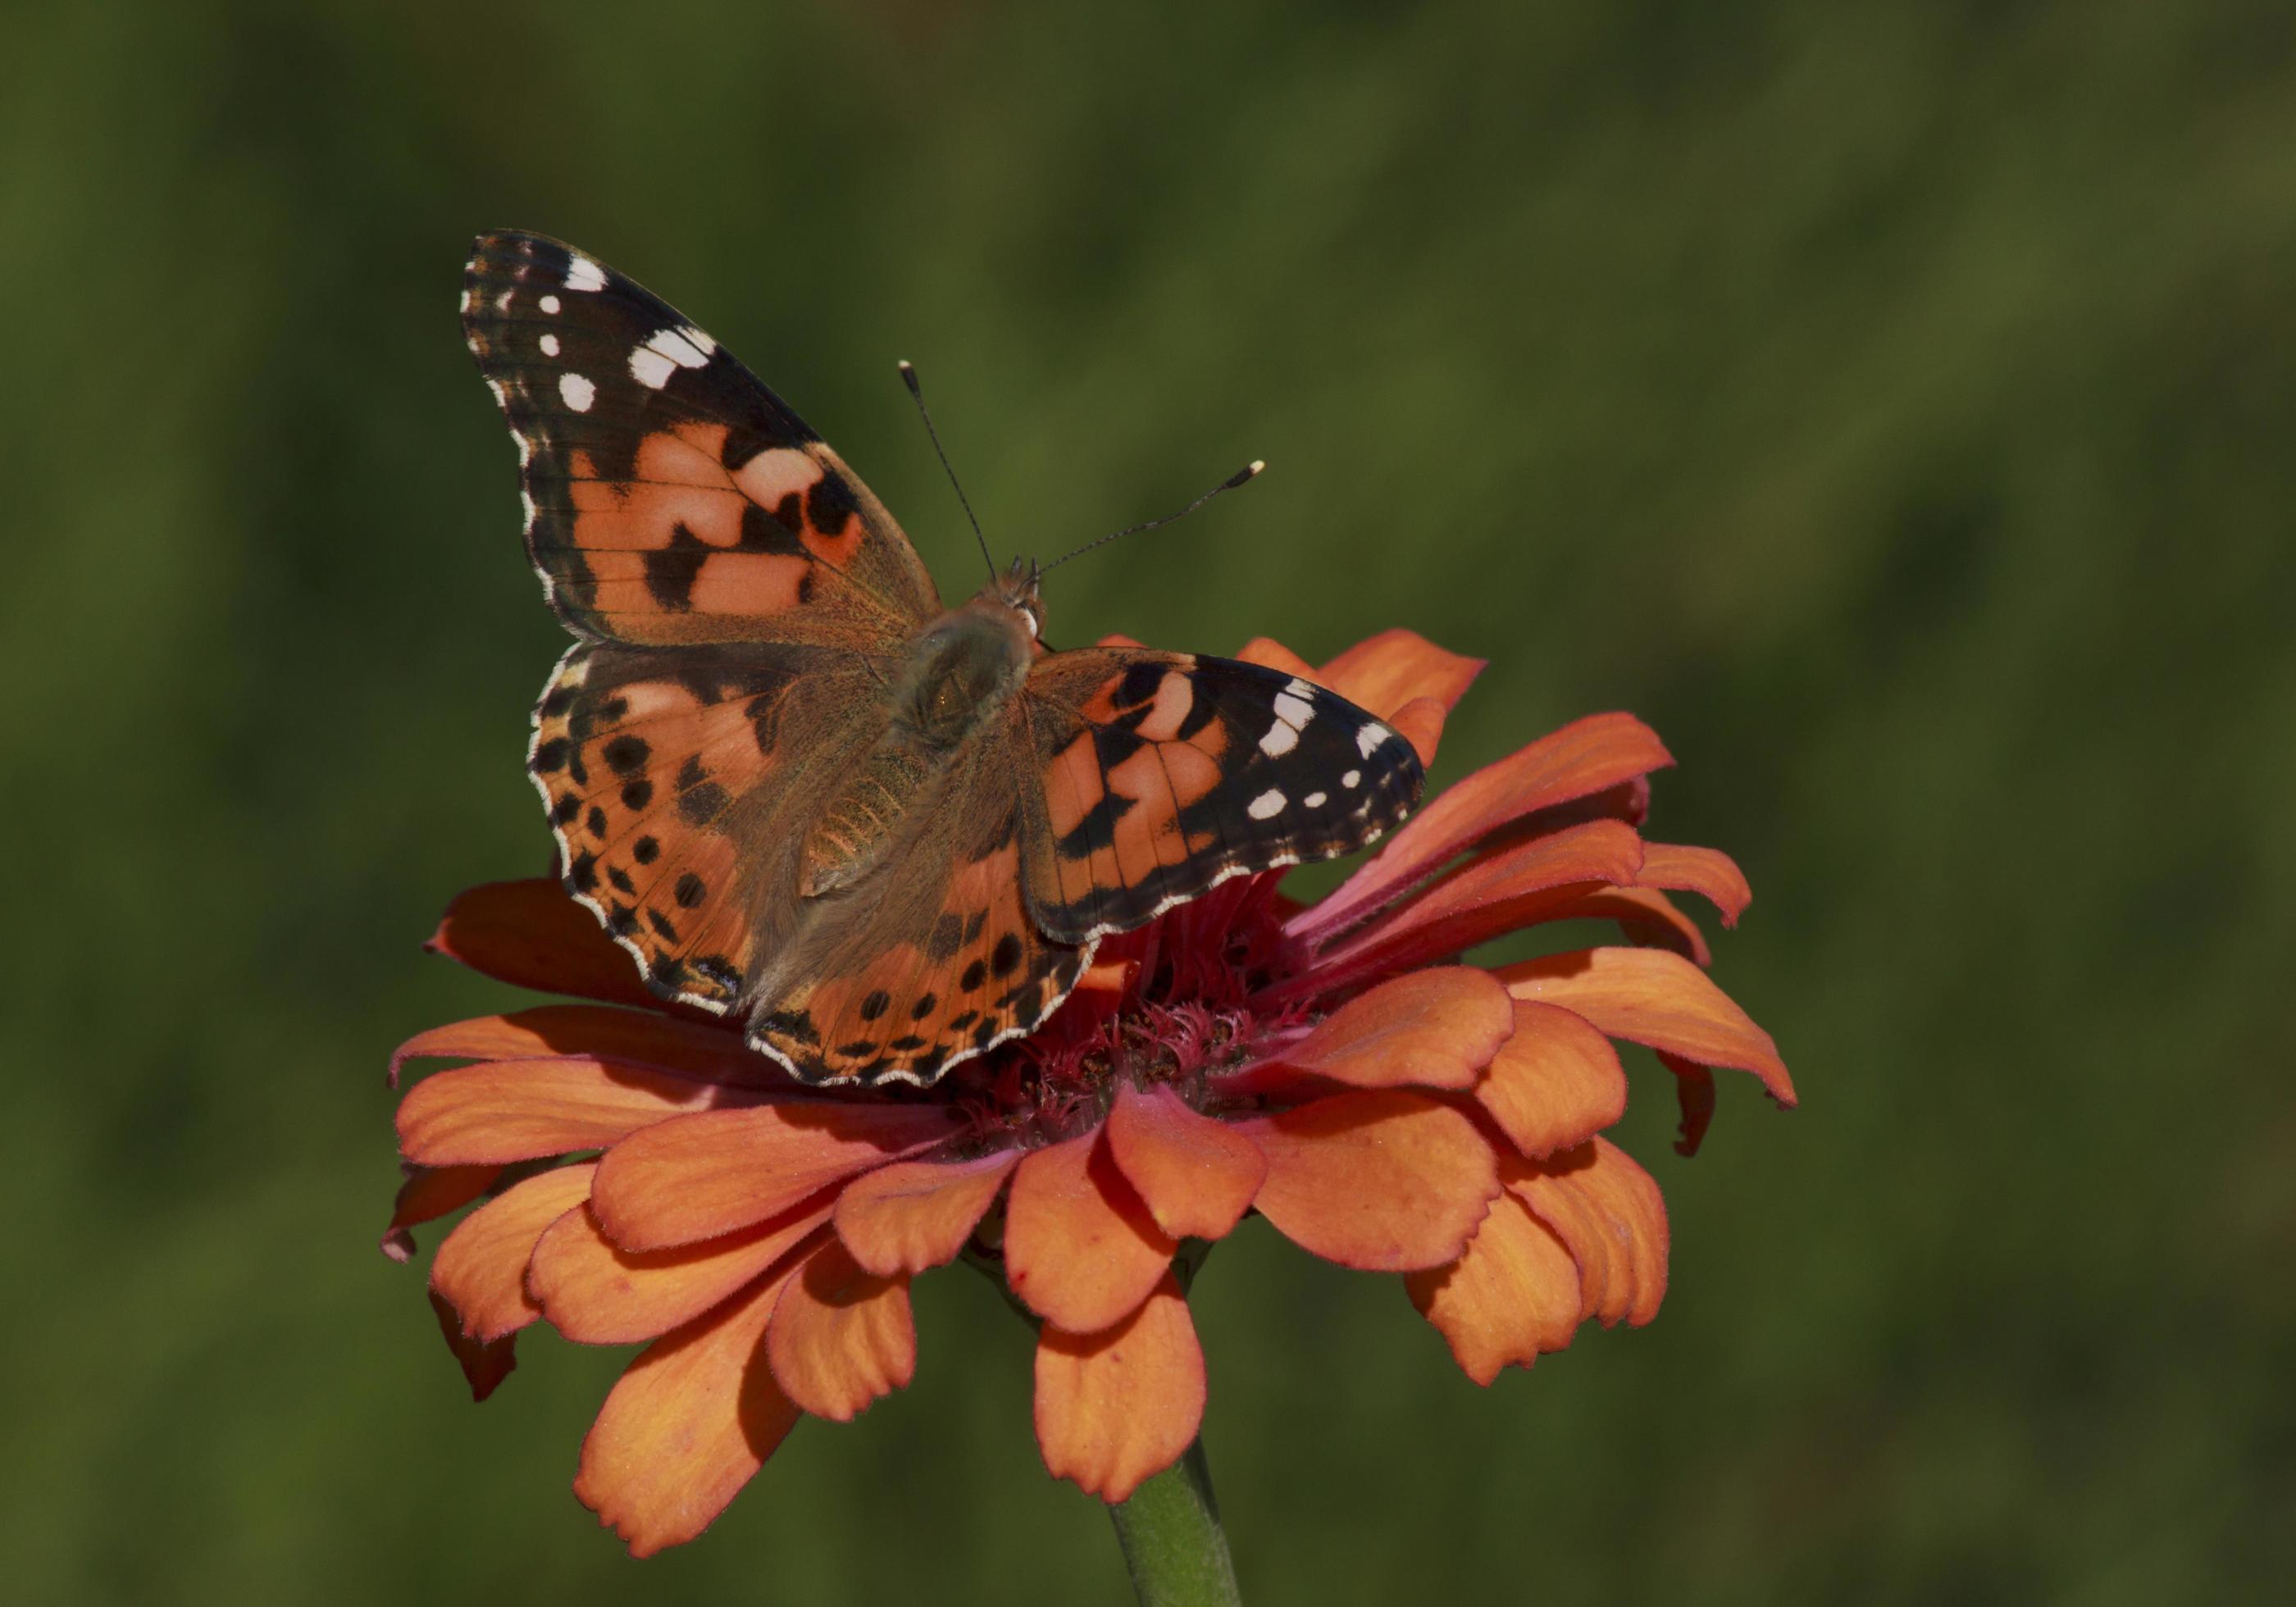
(1162, 774)
(669, 495)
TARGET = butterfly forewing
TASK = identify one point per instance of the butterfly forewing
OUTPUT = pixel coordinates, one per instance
(669, 495)
(1164, 773)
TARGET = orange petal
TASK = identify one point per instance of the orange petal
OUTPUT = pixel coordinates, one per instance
(484, 1365)
(480, 1270)
(1647, 995)
(690, 1424)
(1420, 722)
(1119, 639)
(1271, 654)
(697, 1176)
(1114, 1408)
(1386, 1180)
(1511, 1299)
(521, 1109)
(1710, 873)
(597, 1032)
(429, 1193)
(1645, 915)
(841, 1336)
(1609, 1211)
(917, 1214)
(1582, 759)
(595, 1292)
(1398, 666)
(1080, 1248)
(1489, 898)
(1435, 1027)
(531, 935)
(1693, 1091)
(1195, 1175)
(1557, 1082)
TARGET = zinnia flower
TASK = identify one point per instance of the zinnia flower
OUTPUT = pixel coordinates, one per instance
(1331, 1067)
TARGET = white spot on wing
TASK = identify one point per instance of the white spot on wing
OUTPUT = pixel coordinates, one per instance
(550, 304)
(666, 351)
(1266, 806)
(550, 345)
(1280, 740)
(1314, 801)
(583, 274)
(1353, 778)
(578, 393)
(1370, 737)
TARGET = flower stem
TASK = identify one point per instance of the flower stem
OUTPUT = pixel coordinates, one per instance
(1172, 1539)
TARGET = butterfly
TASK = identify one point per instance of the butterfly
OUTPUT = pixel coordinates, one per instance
(882, 834)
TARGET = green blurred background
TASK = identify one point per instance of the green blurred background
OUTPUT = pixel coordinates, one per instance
(1893, 404)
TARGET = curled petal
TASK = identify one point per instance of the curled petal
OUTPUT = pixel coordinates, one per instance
(1080, 1248)
(597, 1032)
(480, 1270)
(1420, 722)
(1489, 898)
(429, 1193)
(531, 935)
(1436, 1028)
(1609, 1213)
(690, 1423)
(1556, 1083)
(917, 1214)
(1196, 1176)
(1386, 1180)
(1269, 653)
(485, 1365)
(1647, 995)
(697, 1176)
(1384, 672)
(595, 1292)
(1710, 873)
(1116, 1406)
(1584, 757)
(1693, 1092)
(1511, 1298)
(841, 1335)
(504, 1110)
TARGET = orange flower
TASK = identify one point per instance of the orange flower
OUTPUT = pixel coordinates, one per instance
(1331, 1067)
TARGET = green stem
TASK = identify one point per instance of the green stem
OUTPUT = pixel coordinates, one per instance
(1172, 1539)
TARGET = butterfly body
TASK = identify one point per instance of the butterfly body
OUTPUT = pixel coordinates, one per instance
(884, 835)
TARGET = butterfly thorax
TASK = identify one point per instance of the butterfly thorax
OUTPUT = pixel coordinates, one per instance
(953, 682)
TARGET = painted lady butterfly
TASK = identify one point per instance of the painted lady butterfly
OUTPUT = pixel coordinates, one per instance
(884, 833)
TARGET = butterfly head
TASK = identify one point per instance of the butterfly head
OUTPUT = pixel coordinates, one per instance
(1017, 590)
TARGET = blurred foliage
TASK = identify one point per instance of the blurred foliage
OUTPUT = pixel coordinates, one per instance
(1892, 404)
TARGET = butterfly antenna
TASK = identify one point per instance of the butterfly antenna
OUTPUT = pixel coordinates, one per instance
(1229, 484)
(909, 378)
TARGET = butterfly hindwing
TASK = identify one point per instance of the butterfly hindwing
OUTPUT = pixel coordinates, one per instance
(669, 495)
(654, 763)
(1162, 774)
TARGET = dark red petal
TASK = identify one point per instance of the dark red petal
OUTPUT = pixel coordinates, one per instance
(690, 1424)
(531, 934)
(695, 1177)
(429, 1193)
(1080, 1249)
(484, 1365)
(1584, 757)
(1386, 1180)
(1195, 1175)
(1114, 1408)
